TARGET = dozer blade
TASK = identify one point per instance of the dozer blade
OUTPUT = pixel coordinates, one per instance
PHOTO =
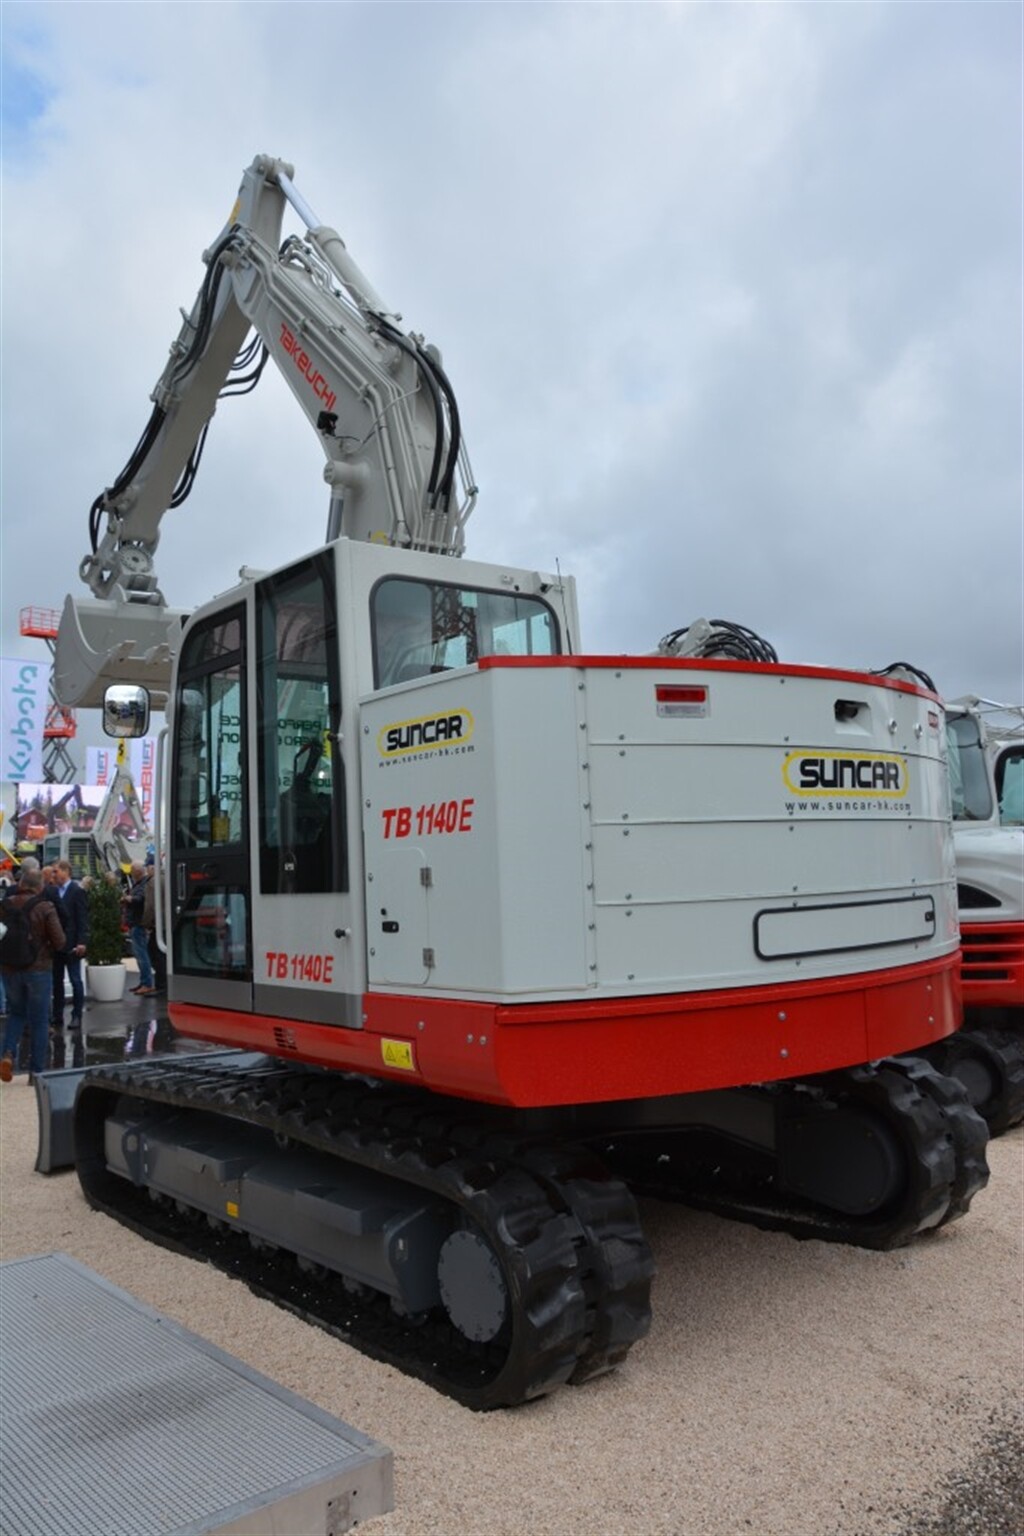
(101, 641)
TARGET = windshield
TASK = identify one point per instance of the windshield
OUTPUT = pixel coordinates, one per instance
(968, 771)
(1010, 787)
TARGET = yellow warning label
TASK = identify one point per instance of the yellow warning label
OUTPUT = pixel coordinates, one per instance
(231, 1208)
(398, 1053)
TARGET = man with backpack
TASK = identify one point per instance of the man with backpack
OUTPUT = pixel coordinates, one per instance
(32, 936)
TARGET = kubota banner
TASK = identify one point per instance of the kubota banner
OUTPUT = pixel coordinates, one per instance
(24, 697)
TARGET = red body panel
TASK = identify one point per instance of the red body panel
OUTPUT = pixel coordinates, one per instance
(617, 1048)
(993, 964)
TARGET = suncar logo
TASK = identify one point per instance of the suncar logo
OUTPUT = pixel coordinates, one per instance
(846, 773)
(451, 728)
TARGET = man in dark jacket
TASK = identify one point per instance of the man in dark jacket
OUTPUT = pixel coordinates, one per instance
(137, 927)
(73, 911)
(29, 988)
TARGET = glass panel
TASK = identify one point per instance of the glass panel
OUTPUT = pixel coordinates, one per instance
(968, 771)
(210, 835)
(301, 786)
(424, 627)
(1010, 779)
(209, 764)
(205, 647)
(211, 933)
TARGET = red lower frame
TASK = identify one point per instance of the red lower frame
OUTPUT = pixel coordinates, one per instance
(616, 1048)
(993, 964)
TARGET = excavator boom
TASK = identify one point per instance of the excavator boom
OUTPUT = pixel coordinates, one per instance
(378, 400)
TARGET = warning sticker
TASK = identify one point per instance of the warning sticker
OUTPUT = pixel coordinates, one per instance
(398, 1053)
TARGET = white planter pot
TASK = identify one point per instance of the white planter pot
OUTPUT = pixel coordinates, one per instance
(106, 982)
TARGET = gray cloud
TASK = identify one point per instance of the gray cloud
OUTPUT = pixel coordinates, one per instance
(731, 297)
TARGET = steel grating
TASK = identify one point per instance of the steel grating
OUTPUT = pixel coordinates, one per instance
(116, 1421)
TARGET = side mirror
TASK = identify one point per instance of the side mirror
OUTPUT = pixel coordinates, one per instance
(125, 711)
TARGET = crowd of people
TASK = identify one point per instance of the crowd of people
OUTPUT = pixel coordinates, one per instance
(45, 939)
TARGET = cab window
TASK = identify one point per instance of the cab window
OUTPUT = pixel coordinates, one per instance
(1010, 787)
(420, 628)
(968, 771)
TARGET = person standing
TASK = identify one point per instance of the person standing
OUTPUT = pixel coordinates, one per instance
(29, 985)
(137, 926)
(157, 958)
(73, 911)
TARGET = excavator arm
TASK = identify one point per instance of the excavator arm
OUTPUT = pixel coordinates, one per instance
(379, 401)
(117, 848)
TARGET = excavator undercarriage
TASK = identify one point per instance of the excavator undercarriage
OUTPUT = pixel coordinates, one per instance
(498, 1254)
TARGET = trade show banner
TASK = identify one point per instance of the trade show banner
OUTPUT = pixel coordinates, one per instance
(24, 697)
(101, 765)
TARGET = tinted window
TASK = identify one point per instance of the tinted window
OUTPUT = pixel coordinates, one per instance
(424, 627)
(302, 804)
(968, 771)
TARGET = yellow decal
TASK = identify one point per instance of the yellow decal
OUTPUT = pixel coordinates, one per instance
(397, 1053)
(814, 771)
(450, 728)
(231, 1208)
(122, 752)
(233, 215)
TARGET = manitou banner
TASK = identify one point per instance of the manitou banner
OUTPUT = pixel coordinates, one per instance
(101, 765)
(24, 696)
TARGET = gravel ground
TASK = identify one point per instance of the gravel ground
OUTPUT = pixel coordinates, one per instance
(785, 1388)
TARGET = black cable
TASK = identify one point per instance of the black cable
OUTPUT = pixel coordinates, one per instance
(455, 433)
(207, 301)
(188, 475)
(244, 384)
(905, 666)
(731, 641)
(247, 354)
(127, 475)
(427, 374)
(234, 387)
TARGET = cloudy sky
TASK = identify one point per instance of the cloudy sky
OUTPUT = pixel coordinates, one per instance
(730, 295)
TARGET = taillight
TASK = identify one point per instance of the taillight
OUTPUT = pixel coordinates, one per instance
(681, 699)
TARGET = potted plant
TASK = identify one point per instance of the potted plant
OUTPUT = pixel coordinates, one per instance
(105, 950)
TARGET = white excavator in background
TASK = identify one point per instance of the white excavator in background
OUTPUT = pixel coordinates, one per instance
(987, 774)
(500, 932)
(119, 837)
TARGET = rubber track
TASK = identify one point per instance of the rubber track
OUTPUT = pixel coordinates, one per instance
(1002, 1052)
(943, 1143)
(576, 1264)
(965, 1126)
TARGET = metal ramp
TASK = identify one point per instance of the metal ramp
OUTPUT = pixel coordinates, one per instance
(116, 1421)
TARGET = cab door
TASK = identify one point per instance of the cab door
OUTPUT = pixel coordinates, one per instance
(211, 919)
(307, 968)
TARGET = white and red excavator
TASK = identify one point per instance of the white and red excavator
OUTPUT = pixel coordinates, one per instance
(499, 931)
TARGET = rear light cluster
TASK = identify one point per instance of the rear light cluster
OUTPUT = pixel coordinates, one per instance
(686, 700)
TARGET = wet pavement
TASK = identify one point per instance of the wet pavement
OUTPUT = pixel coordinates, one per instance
(119, 1031)
(133, 1026)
